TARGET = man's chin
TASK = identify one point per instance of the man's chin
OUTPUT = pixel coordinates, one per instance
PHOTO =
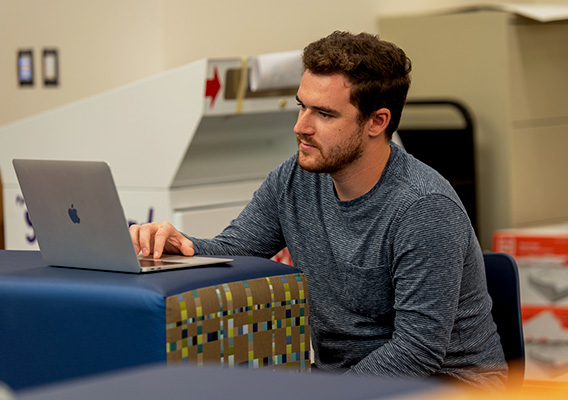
(308, 166)
(303, 163)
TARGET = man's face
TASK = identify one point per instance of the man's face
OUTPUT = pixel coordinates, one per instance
(329, 135)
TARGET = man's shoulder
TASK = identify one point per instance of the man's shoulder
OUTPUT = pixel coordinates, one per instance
(414, 178)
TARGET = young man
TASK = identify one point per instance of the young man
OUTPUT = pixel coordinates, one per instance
(395, 273)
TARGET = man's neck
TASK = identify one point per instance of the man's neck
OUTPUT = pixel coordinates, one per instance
(359, 178)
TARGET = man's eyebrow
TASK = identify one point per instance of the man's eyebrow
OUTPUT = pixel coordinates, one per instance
(323, 109)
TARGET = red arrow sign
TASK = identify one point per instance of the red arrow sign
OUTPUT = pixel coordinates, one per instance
(212, 87)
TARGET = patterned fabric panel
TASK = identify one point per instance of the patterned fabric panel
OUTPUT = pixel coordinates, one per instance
(254, 323)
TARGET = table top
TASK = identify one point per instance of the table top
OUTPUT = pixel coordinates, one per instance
(27, 268)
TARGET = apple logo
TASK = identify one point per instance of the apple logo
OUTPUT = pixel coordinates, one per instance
(73, 215)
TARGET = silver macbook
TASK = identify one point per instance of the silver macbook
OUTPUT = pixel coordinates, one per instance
(79, 221)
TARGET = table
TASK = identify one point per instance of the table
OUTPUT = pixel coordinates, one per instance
(61, 323)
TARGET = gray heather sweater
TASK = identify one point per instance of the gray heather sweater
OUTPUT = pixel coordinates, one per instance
(396, 277)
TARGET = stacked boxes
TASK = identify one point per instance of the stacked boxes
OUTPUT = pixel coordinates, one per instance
(542, 256)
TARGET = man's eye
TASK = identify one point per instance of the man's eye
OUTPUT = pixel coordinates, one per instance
(303, 107)
(324, 115)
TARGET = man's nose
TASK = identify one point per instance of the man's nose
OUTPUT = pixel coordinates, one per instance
(303, 124)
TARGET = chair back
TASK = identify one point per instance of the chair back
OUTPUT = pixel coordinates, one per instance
(503, 286)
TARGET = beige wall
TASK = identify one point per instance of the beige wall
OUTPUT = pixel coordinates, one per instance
(198, 29)
(106, 43)
(102, 44)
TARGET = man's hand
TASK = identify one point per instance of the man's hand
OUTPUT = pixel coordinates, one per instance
(158, 238)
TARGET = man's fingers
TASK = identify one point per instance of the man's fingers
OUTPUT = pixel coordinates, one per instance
(170, 240)
(146, 237)
(187, 247)
(162, 235)
(154, 238)
(134, 232)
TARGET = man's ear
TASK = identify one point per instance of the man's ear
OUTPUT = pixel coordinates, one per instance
(379, 121)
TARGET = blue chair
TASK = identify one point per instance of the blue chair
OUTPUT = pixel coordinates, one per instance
(503, 286)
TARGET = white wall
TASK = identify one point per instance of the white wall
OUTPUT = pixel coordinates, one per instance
(106, 43)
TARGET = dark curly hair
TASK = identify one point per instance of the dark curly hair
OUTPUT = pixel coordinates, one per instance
(378, 70)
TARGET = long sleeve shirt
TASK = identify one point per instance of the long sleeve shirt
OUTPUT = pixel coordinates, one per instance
(396, 277)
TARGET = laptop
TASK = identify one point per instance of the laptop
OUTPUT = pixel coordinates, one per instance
(79, 221)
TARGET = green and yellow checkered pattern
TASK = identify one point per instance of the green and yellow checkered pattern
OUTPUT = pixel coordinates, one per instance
(255, 323)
